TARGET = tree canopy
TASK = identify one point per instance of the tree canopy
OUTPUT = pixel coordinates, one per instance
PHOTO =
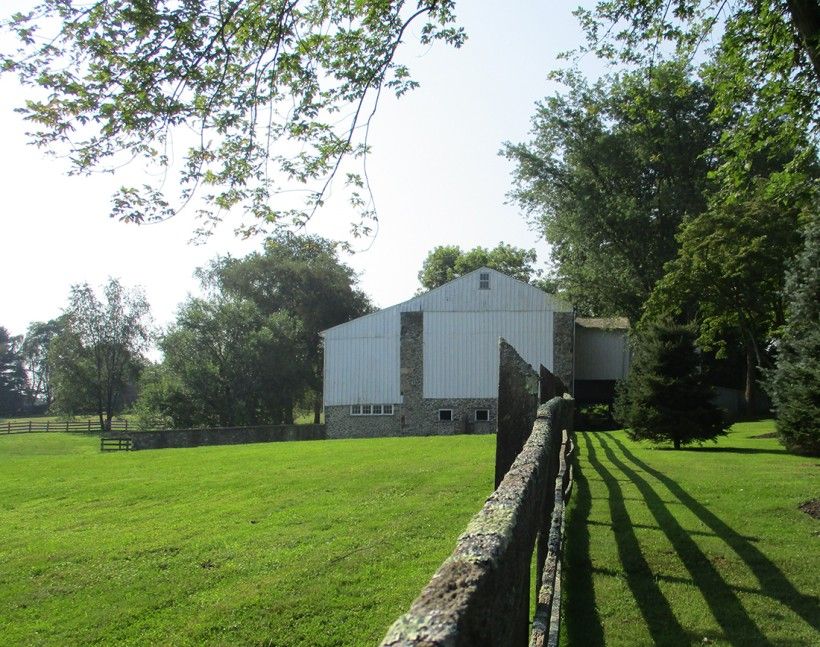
(251, 350)
(611, 171)
(226, 364)
(99, 351)
(273, 94)
(447, 262)
(12, 373)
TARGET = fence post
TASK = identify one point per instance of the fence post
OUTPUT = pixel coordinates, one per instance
(46, 425)
(29, 426)
(89, 426)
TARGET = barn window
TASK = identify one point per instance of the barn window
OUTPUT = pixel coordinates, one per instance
(482, 415)
(387, 409)
(445, 415)
(377, 409)
(484, 281)
(355, 409)
(367, 410)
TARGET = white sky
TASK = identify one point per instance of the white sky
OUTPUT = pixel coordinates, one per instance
(434, 170)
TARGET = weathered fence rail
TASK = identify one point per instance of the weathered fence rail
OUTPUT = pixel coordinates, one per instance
(115, 444)
(476, 596)
(65, 426)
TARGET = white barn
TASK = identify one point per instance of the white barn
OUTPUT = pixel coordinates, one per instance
(429, 365)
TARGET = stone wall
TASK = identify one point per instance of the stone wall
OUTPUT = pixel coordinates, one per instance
(224, 436)
(411, 371)
(517, 406)
(340, 424)
(476, 596)
(563, 351)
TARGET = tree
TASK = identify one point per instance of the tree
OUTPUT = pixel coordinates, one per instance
(35, 350)
(795, 382)
(99, 352)
(665, 398)
(610, 173)
(728, 277)
(12, 374)
(303, 277)
(227, 363)
(272, 90)
(447, 262)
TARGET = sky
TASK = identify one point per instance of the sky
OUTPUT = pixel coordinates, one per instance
(435, 172)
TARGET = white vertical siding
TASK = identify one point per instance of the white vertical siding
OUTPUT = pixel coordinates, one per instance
(461, 349)
(362, 360)
(462, 324)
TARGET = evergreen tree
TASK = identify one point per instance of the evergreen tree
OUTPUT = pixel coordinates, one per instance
(665, 396)
(795, 382)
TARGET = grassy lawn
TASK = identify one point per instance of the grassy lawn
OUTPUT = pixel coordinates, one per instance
(700, 546)
(312, 543)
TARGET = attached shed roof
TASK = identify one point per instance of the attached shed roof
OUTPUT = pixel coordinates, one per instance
(603, 323)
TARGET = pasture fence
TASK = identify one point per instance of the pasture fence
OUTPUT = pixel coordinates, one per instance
(115, 444)
(34, 425)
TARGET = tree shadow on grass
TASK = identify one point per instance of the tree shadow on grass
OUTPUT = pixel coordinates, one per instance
(654, 607)
(581, 620)
(721, 599)
(772, 582)
(726, 450)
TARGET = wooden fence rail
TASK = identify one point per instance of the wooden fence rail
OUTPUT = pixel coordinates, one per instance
(115, 444)
(65, 426)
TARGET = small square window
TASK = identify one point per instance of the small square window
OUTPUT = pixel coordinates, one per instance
(484, 281)
(377, 409)
(355, 409)
(366, 410)
(445, 415)
(387, 409)
(482, 415)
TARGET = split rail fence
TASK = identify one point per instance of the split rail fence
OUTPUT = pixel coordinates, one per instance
(65, 426)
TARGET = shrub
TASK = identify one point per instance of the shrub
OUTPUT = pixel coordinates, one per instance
(795, 382)
(665, 397)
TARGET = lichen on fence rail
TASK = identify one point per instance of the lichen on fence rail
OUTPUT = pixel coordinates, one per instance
(475, 596)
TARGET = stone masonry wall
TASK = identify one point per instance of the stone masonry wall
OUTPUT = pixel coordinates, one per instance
(517, 406)
(411, 371)
(340, 424)
(474, 597)
(563, 335)
(224, 436)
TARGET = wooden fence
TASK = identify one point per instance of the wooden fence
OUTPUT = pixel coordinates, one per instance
(65, 426)
(115, 444)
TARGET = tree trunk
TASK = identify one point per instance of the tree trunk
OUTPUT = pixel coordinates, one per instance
(288, 412)
(748, 395)
(317, 410)
(806, 20)
(677, 443)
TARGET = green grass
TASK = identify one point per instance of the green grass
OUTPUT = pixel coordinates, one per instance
(312, 543)
(698, 546)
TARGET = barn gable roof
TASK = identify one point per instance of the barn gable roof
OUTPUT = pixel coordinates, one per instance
(448, 297)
